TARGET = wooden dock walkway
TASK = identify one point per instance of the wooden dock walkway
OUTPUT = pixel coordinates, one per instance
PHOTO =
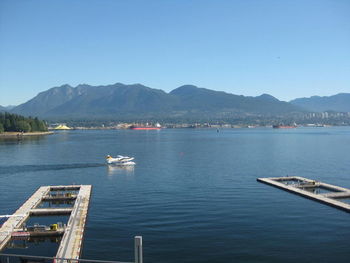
(70, 246)
(21, 215)
(312, 189)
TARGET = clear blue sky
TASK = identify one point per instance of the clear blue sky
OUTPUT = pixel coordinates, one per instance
(285, 48)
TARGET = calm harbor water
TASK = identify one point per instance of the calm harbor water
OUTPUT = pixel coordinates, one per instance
(193, 193)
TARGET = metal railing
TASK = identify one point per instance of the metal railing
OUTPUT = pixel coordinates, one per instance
(7, 258)
(11, 258)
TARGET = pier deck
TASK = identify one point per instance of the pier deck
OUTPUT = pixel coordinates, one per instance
(70, 246)
(21, 215)
(71, 243)
(312, 189)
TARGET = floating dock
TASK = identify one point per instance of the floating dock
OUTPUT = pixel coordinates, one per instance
(21, 215)
(70, 246)
(328, 194)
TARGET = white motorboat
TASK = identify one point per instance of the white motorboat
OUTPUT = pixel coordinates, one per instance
(120, 160)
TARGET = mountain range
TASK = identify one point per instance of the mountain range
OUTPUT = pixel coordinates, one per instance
(339, 102)
(136, 101)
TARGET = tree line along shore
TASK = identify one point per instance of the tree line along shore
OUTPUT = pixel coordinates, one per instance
(13, 125)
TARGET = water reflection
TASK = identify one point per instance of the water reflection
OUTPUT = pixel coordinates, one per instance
(34, 139)
(12, 169)
(31, 246)
(114, 170)
(24, 242)
(56, 204)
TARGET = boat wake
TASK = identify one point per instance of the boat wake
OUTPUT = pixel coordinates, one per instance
(13, 169)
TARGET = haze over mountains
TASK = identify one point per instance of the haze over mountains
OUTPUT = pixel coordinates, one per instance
(7, 108)
(120, 101)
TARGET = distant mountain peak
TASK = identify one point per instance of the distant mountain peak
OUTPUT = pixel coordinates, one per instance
(188, 86)
(138, 85)
(64, 86)
(82, 85)
(185, 89)
(266, 96)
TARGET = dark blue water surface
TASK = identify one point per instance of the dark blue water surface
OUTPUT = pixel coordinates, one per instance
(193, 194)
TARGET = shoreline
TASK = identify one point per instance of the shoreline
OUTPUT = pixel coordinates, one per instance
(20, 135)
(227, 126)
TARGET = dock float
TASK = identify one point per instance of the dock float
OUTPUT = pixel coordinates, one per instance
(328, 194)
(70, 246)
(21, 215)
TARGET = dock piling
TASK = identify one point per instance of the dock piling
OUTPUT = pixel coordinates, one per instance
(138, 249)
